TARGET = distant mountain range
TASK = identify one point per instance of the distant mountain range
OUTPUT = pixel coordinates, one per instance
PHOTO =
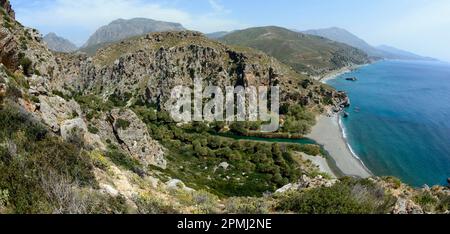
(122, 29)
(307, 54)
(216, 35)
(390, 52)
(385, 52)
(59, 44)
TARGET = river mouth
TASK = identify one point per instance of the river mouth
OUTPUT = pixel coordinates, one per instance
(302, 141)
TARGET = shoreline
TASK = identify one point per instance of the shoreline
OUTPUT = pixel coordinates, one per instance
(329, 133)
(333, 74)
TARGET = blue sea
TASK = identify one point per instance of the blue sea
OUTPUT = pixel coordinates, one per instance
(399, 123)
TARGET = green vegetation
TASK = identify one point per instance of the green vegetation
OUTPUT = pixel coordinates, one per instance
(304, 53)
(27, 65)
(195, 153)
(122, 124)
(7, 22)
(149, 204)
(93, 106)
(248, 205)
(123, 160)
(349, 196)
(298, 120)
(29, 156)
(426, 200)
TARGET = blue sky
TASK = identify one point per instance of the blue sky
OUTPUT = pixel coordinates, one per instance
(420, 26)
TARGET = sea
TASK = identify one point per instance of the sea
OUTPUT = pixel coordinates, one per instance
(399, 119)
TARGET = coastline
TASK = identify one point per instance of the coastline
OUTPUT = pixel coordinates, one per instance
(330, 133)
(331, 136)
(333, 74)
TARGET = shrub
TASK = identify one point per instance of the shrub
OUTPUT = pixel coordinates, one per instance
(347, 197)
(27, 66)
(150, 204)
(426, 200)
(242, 205)
(123, 160)
(147, 115)
(122, 124)
(93, 129)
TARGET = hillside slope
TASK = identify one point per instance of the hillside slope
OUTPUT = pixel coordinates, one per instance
(346, 37)
(305, 53)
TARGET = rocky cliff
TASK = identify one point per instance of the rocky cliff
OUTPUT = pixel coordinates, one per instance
(147, 68)
(6, 5)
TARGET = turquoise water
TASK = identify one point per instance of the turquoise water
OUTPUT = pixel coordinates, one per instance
(399, 121)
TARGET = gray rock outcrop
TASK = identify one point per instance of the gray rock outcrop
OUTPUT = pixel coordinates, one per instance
(133, 135)
(55, 110)
(59, 44)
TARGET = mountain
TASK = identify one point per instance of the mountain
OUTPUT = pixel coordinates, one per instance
(390, 52)
(59, 44)
(217, 35)
(122, 29)
(384, 52)
(307, 54)
(344, 36)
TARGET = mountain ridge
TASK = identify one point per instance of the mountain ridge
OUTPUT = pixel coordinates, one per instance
(383, 52)
(307, 54)
(121, 29)
(59, 44)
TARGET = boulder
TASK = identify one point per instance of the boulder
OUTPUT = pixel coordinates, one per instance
(38, 85)
(55, 110)
(405, 206)
(285, 188)
(133, 135)
(108, 189)
(73, 129)
(308, 183)
(175, 184)
(224, 165)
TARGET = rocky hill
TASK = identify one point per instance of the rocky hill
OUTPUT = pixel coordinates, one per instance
(147, 68)
(122, 29)
(59, 44)
(82, 134)
(307, 54)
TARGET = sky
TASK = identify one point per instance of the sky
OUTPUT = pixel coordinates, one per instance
(419, 26)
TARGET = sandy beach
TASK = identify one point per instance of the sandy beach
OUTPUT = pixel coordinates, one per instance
(333, 74)
(327, 132)
(321, 163)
